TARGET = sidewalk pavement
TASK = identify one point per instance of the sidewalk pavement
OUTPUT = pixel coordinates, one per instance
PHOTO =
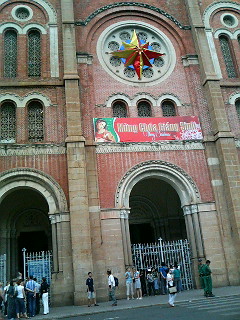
(123, 304)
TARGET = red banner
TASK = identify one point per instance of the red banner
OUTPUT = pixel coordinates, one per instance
(147, 129)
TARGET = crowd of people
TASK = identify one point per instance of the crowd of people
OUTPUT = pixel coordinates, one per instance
(21, 298)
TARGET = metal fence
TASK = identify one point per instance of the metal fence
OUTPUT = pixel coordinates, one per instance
(152, 255)
(38, 264)
(3, 269)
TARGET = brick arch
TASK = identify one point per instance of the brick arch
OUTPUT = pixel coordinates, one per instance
(170, 173)
(38, 181)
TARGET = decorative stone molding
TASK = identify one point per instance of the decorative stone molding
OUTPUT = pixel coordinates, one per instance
(148, 147)
(36, 180)
(169, 172)
(37, 26)
(8, 150)
(190, 59)
(60, 217)
(21, 6)
(118, 96)
(131, 4)
(22, 101)
(237, 143)
(221, 31)
(124, 214)
(11, 25)
(233, 97)
(169, 96)
(143, 96)
(84, 58)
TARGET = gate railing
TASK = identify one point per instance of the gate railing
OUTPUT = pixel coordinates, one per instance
(3, 269)
(38, 264)
(146, 256)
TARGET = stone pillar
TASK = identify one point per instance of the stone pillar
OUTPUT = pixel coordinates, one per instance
(226, 187)
(124, 214)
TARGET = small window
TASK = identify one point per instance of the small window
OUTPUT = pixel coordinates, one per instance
(227, 56)
(10, 54)
(237, 104)
(144, 109)
(168, 109)
(119, 110)
(34, 54)
(35, 122)
(8, 123)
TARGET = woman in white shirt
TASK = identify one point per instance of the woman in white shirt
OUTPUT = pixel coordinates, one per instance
(171, 296)
(20, 300)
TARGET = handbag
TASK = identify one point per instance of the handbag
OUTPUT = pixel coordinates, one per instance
(172, 290)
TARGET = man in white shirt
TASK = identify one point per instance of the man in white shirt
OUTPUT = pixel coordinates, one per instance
(111, 287)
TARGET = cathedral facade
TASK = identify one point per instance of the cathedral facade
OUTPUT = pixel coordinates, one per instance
(120, 124)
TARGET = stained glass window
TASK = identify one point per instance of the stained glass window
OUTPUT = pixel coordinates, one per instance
(10, 54)
(34, 54)
(227, 56)
(35, 122)
(8, 122)
(119, 110)
(144, 109)
(237, 104)
(168, 109)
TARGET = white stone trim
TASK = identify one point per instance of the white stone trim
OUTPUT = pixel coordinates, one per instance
(212, 161)
(218, 32)
(19, 7)
(214, 6)
(233, 98)
(10, 25)
(22, 101)
(170, 173)
(37, 26)
(233, 16)
(119, 96)
(54, 56)
(31, 150)
(236, 34)
(148, 147)
(213, 53)
(237, 143)
(169, 97)
(144, 96)
(217, 183)
(190, 59)
(52, 15)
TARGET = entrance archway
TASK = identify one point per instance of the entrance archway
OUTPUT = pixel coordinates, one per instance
(155, 212)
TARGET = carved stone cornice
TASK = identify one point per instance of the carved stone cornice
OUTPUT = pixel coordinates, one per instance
(7, 150)
(131, 4)
(237, 143)
(149, 146)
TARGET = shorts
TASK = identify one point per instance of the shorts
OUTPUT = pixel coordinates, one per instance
(91, 295)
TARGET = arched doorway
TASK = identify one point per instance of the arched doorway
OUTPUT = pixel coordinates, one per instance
(24, 217)
(155, 212)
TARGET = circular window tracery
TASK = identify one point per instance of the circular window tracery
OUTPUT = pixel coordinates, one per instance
(22, 13)
(113, 39)
(229, 20)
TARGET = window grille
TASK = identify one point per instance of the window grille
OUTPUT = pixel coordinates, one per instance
(34, 54)
(227, 56)
(237, 104)
(144, 109)
(119, 110)
(8, 123)
(35, 122)
(168, 109)
(10, 54)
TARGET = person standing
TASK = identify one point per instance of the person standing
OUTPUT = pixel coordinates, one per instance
(31, 296)
(136, 275)
(207, 278)
(171, 296)
(20, 300)
(129, 283)
(5, 298)
(150, 283)
(11, 309)
(37, 296)
(111, 288)
(90, 290)
(44, 289)
(200, 265)
(163, 276)
(177, 277)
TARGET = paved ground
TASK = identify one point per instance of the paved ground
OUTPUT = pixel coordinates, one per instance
(185, 300)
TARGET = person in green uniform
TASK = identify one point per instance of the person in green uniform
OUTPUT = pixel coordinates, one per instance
(200, 265)
(207, 278)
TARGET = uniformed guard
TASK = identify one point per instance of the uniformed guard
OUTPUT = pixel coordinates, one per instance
(207, 278)
(200, 265)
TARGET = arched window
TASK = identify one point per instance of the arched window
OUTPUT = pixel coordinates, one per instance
(34, 53)
(168, 109)
(227, 56)
(35, 122)
(119, 110)
(10, 54)
(8, 122)
(237, 105)
(144, 109)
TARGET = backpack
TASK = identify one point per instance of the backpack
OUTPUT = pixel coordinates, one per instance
(116, 281)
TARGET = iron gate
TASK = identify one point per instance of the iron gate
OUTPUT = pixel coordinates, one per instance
(38, 264)
(146, 256)
(3, 269)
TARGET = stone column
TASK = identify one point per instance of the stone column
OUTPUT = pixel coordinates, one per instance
(221, 147)
(124, 214)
